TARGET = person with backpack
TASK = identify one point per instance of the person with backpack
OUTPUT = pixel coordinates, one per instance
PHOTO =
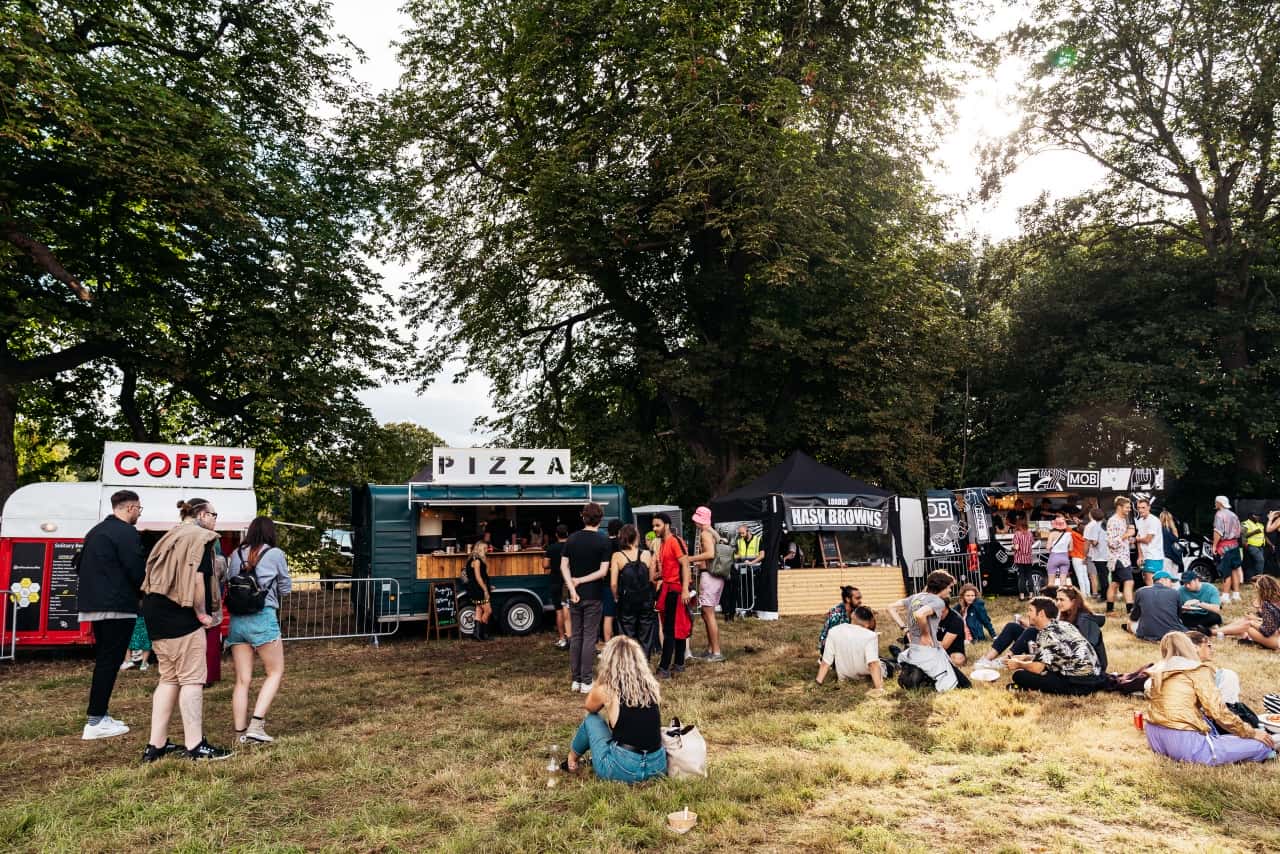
(633, 581)
(711, 578)
(258, 576)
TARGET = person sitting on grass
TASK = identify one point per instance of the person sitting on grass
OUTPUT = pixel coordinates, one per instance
(1226, 681)
(1262, 627)
(1182, 703)
(951, 631)
(1200, 603)
(1073, 609)
(854, 650)
(623, 727)
(842, 614)
(919, 615)
(973, 611)
(1063, 663)
(1155, 609)
(1014, 638)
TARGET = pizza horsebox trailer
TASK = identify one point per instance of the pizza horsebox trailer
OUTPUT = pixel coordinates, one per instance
(420, 533)
(43, 526)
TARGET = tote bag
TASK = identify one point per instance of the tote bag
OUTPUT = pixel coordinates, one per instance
(686, 750)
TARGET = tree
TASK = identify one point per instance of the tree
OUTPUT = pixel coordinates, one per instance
(177, 227)
(1179, 102)
(683, 238)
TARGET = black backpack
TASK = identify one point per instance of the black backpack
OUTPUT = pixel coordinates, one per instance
(913, 678)
(635, 591)
(244, 594)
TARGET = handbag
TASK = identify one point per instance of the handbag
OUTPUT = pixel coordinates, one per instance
(686, 750)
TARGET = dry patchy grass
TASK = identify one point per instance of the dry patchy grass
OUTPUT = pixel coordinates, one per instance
(442, 746)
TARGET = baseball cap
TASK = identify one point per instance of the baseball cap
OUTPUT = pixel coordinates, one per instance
(1222, 499)
(1164, 573)
(702, 516)
(1189, 576)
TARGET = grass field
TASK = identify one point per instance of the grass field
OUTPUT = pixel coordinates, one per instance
(442, 746)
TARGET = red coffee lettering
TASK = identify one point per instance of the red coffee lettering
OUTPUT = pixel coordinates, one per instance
(217, 467)
(180, 462)
(156, 464)
(235, 468)
(201, 462)
(122, 457)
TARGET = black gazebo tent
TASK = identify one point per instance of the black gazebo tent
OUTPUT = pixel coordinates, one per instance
(801, 494)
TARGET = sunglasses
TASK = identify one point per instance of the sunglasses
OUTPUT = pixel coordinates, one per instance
(209, 513)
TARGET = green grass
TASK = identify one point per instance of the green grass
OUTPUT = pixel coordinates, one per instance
(442, 746)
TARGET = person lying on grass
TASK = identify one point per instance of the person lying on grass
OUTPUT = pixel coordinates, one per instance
(1184, 705)
(854, 650)
(1063, 663)
(623, 727)
(1262, 627)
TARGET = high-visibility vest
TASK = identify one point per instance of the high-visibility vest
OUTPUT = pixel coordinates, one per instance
(1254, 533)
(749, 547)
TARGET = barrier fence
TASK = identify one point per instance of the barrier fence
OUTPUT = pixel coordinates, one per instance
(334, 608)
(963, 567)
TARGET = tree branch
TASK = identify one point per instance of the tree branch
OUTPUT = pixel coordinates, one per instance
(44, 258)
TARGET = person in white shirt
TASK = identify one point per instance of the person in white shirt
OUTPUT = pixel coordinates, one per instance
(1150, 540)
(854, 650)
(1095, 534)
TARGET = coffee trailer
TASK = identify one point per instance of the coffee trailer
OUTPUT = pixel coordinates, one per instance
(419, 533)
(43, 525)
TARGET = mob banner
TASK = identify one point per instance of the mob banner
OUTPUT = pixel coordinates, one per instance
(836, 513)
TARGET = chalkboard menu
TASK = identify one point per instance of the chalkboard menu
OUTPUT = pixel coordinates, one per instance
(830, 550)
(444, 604)
(64, 584)
(28, 562)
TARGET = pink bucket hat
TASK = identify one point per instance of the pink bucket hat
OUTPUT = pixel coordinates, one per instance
(702, 516)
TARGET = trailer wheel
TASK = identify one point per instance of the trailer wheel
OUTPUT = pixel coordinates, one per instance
(520, 616)
(1205, 568)
(467, 620)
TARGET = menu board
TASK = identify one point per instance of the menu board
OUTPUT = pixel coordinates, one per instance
(444, 604)
(64, 584)
(28, 563)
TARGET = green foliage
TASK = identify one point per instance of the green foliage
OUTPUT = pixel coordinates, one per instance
(682, 238)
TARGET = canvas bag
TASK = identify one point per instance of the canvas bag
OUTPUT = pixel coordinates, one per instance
(722, 564)
(686, 750)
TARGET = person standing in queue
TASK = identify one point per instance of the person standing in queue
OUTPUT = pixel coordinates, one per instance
(559, 592)
(584, 565)
(176, 606)
(476, 576)
(111, 571)
(258, 632)
(710, 588)
(675, 592)
(1119, 534)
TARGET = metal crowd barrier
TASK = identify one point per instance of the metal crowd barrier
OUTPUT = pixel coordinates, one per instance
(333, 608)
(963, 567)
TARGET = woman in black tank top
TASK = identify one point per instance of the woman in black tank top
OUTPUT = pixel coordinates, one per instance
(623, 730)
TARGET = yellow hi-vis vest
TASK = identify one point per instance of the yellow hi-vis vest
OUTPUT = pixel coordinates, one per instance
(748, 548)
(1254, 533)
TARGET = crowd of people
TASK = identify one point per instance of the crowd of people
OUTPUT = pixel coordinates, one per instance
(170, 602)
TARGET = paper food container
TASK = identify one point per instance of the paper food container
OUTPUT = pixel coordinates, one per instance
(682, 821)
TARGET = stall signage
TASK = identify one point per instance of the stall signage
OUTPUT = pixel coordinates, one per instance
(836, 513)
(137, 464)
(499, 466)
(1091, 480)
(944, 531)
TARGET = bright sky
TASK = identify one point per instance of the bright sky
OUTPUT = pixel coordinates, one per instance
(984, 111)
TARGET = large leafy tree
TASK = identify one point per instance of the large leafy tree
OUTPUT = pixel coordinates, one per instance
(683, 238)
(178, 228)
(1179, 102)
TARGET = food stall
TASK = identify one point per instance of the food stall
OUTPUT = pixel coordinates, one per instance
(858, 534)
(43, 525)
(419, 533)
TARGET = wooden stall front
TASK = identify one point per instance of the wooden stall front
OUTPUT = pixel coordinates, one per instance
(815, 591)
(499, 564)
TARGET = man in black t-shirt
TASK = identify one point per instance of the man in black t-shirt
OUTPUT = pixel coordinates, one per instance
(559, 593)
(584, 565)
(951, 636)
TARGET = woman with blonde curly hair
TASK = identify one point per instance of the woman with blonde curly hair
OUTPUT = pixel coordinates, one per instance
(623, 726)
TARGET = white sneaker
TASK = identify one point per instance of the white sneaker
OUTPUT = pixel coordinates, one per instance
(108, 728)
(1236, 596)
(585, 688)
(990, 663)
(127, 665)
(114, 721)
(576, 687)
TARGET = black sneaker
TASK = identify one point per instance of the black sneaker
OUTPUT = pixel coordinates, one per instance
(205, 750)
(152, 753)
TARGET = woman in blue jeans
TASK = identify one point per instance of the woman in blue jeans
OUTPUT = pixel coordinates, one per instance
(623, 727)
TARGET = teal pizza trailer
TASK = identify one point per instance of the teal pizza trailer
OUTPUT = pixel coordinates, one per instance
(419, 533)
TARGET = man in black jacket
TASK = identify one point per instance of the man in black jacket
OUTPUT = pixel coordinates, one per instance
(111, 571)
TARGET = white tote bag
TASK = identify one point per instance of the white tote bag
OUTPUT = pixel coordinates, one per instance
(686, 750)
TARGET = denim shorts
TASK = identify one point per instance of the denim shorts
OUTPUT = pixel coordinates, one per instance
(254, 629)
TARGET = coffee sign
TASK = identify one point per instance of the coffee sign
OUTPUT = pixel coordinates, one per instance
(499, 466)
(138, 465)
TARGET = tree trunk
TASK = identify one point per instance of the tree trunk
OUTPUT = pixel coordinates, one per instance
(1233, 352)
(8, 446)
